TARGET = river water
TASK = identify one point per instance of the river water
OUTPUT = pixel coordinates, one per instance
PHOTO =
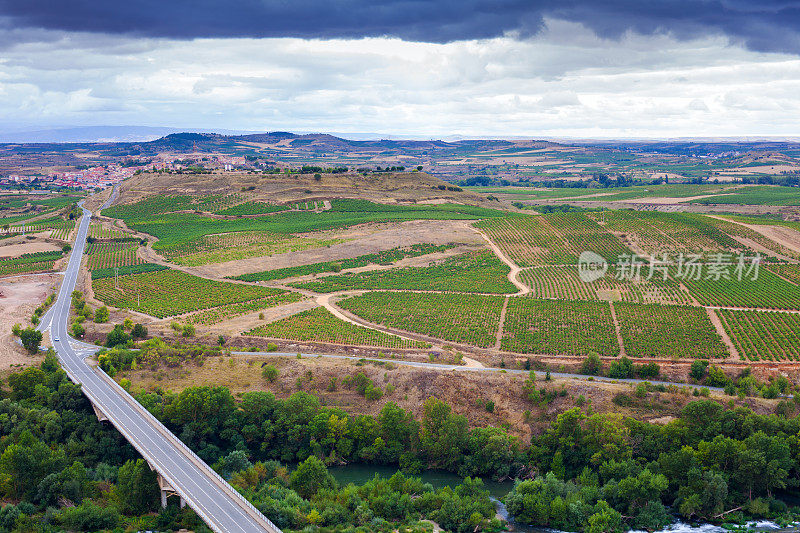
(359, 474)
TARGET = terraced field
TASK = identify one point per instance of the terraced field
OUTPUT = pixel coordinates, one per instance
(319, 325)
(763, 335)
(479, 272)
(469, 319)
(668, 331)
(170, 292)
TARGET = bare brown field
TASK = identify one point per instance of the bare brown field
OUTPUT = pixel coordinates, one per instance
(19, 296)
(16, 249)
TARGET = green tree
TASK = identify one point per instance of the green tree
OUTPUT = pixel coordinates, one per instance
(117, 336)
(139, 331)
(137, 489)
(31, 339)
(311, 476)
(23, 384)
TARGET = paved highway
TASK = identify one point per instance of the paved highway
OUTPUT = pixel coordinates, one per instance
(216, 502)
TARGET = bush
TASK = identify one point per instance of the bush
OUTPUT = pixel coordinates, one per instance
(621, 369)
(489, 406)
(272, 347)
(698, 369)
(270, 373)
(188, 330)
(139, 331)
(101, 315)
(592, 365)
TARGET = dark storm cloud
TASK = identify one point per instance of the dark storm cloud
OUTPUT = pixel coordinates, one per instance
(762, 25)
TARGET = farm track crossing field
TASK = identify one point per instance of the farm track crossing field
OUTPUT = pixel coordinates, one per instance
(768, 291)
(111, 254)
(557, 238)
(563, 282)
(766, 335)
(34, 262)
(170, 292)
(738, 230)
(225, 312)
(319, 325)
(559, 327)
(386, 257)
(468, 319)
(480, 272)
(668, 331)
(242, 245)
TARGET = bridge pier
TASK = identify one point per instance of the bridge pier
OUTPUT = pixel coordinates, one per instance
(167, 491)
(98, 413)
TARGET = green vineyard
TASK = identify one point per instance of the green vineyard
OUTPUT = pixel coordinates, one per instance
(469, 319)
(668, 331)
(34, 262)
(559, 327)
(563, 282)
(170, 292)
(110, 255)
(480, 272)
(319, 325)
(767, 335)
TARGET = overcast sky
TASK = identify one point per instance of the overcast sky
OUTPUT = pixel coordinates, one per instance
(581, 68)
